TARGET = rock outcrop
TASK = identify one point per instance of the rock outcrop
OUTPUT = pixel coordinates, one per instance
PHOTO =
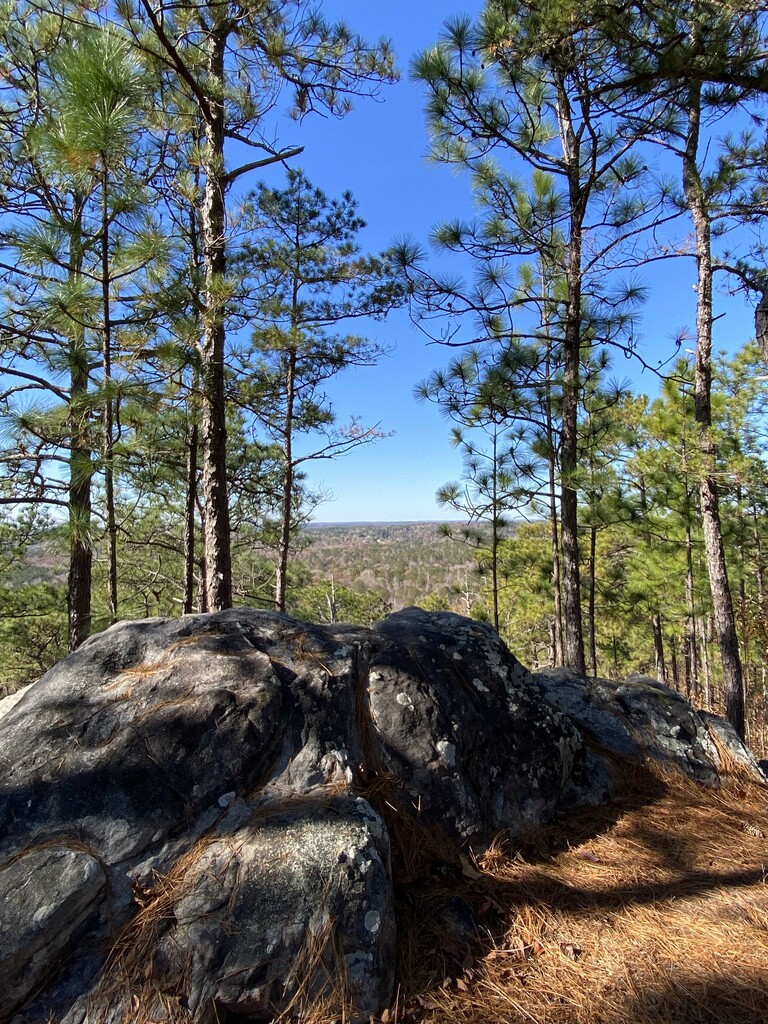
(203, 819)
(641, 718)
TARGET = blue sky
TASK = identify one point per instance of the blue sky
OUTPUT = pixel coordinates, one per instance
(378, 153)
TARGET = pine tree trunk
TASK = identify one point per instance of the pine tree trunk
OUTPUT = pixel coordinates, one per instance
(574, 636)
(691, 656)
(591, 612)
(79, 578)
(759, 561)
(213, 433)
(658, 648)
(108, 415)
(286, 510)
(495, 530)
(202, 588)
(553, 649)
(704, 637)
(557, 621)
(744, 631)
(333, 608)
(286, 517)
(557, 626)
(673, 660)
(189, 520)
(722, 601)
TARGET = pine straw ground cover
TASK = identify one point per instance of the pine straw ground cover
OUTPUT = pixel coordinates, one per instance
(651, 910)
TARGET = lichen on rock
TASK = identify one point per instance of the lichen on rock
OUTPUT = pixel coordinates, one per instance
(205, 818)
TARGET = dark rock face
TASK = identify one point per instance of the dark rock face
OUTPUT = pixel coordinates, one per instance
(456, 721)
(202, 819)
(642, 718)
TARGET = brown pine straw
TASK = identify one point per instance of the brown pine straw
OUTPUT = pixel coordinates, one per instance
(651, 911)
(127, 977)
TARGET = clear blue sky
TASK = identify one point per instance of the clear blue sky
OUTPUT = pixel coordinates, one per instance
(378, 153)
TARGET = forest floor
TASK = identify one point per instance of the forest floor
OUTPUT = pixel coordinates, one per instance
(650, 910)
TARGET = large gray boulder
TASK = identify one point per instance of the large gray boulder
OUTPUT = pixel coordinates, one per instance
(643, 719)
(203, 818)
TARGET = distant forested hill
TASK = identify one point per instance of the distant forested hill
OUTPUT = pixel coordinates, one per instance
(405, 563)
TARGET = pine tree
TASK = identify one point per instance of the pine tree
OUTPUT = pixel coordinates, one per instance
(98, 87)
(231, 61)
(308, 281)
(717, 65)
(525, 84)
(66, 229)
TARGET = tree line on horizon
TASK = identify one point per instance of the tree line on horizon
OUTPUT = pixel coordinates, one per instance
(168, 324)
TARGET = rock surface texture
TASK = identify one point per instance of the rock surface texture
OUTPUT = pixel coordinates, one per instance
(202, 819)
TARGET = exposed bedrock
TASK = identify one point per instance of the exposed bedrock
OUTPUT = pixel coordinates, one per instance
(204, 818)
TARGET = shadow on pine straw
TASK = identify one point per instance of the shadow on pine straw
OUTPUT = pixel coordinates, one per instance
(652, 912)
